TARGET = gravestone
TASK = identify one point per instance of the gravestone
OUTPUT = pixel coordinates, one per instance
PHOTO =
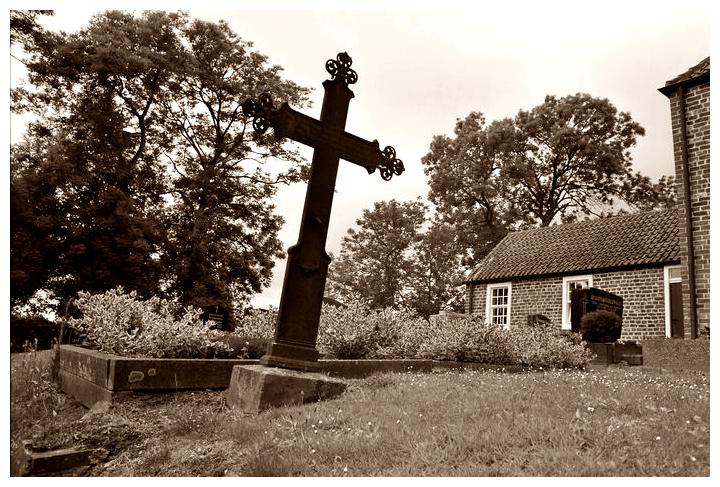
(294, 344)
(215, 317)
(584, 301)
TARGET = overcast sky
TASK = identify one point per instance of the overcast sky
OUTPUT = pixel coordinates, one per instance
(421, 68)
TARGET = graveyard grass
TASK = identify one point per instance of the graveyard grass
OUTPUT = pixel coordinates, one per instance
(616, 421)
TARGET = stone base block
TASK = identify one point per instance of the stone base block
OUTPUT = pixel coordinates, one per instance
(254, 388)
(604, 353)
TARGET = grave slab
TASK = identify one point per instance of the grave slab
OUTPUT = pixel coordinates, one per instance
(254, 388)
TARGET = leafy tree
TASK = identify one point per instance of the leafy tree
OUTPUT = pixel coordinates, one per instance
(152, 174)
(376, 259)
(642, 194)
(567, 157)
(34, 226)
(466, 184)
(24, 27)
(575, 155)
(435, 280)
(94, 92)
(222, 230)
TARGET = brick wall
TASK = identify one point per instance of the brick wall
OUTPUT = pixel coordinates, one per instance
(643, 294)
(642, 291)
(697, 119)
(541, 296)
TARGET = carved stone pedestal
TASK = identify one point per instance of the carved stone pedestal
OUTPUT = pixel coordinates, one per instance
(254, 388)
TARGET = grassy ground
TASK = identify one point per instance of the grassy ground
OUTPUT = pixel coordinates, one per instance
(619, 421)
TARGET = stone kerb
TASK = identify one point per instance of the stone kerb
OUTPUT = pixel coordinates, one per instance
(93, 377)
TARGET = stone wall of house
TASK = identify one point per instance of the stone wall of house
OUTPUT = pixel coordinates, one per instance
(697, 119)
(642, 291)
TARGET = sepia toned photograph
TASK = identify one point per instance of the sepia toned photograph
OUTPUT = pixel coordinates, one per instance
(360, 240)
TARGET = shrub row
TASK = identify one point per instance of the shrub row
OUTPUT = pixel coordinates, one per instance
(119, 323)
(357, 332)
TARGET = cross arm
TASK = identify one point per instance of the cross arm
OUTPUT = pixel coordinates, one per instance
(291, 124)
(294, 125)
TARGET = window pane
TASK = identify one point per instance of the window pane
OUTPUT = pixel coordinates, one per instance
(499, 296)
(499, 305)
(674, 273)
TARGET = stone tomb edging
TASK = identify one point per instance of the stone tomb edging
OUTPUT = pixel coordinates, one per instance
(92, 377)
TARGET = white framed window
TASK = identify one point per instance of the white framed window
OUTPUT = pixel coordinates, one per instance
(570, 283)
(671, 276)
(497, 307)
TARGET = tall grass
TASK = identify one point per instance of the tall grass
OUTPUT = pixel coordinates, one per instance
(34, 398)
(612, 422)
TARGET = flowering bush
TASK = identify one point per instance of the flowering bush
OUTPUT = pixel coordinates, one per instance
(351, 332)
(356, 332)
(468, 339)
(121, 324)
(252, 334)
(546, 346)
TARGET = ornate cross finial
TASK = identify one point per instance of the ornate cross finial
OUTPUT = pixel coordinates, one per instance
(258, 110)
(390, 164)
(340, 68)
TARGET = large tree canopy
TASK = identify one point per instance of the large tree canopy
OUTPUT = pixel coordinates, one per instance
(148, 172)
(563, 159)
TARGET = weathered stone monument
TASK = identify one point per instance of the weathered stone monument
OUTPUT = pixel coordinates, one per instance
(215, 316)
(292, 355)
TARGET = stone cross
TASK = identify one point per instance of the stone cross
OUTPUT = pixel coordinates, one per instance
(299, 313)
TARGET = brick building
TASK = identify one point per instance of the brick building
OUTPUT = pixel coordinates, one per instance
(635, 256)
(658, 261)
(689, 95)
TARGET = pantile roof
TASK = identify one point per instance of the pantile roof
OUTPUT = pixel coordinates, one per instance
(700, 70)
(636, 239)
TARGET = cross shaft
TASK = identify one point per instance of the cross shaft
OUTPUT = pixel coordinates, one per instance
(300, 304)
